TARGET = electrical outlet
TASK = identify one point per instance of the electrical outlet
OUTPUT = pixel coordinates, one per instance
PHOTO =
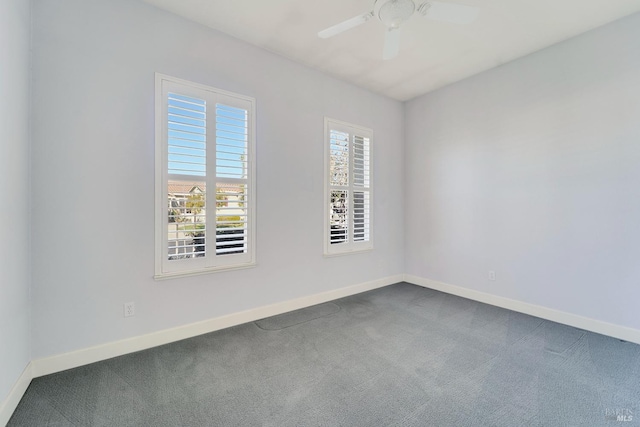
(492, 275)
(129, 309)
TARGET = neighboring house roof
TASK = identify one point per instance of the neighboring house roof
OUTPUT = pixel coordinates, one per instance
(174, 187)
(184, 188)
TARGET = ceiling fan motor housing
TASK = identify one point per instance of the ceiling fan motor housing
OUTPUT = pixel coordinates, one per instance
(393, 13)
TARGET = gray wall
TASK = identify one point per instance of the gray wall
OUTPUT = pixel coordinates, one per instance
(15, 349)
(93, 173)
(533, 170)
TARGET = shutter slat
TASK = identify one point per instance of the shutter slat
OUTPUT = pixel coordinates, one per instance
(198, 145)
(195, 136)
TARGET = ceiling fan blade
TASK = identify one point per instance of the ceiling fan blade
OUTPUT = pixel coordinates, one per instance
(346, 25)
(391, 43)
(451, 12)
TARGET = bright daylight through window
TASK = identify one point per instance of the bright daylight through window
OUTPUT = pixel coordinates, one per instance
(204, 147)
(348, 195)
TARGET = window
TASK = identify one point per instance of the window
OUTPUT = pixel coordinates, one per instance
(348, 194)
(205, 143)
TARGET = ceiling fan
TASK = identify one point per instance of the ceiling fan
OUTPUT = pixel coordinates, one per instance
(393, 13)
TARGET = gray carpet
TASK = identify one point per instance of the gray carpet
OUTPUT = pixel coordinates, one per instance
(297, 317)
(397, 356)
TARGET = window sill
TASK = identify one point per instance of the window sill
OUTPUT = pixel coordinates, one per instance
(347, 252)
(167, 276)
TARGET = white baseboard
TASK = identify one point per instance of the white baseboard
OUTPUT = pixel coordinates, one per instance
(61, 362)
(8, 405)
(588, 324)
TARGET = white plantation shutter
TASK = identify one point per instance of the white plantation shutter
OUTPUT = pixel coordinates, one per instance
(205, 139)
(232, 148)
(187, 170)
(339, 186)
(339, 158)
(361, 190)
(349, 194)
(231, 219)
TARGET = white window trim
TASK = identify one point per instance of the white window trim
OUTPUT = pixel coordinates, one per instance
(351, 247)
(161, 181)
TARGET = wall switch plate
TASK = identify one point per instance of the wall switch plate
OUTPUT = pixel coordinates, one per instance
(129, 309)
(492, 275)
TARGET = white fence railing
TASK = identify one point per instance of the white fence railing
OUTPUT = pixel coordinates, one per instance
(227, 242)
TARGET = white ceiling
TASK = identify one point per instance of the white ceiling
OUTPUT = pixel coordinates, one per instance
(432, 54)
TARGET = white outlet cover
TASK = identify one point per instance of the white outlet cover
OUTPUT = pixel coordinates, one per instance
(129, 309)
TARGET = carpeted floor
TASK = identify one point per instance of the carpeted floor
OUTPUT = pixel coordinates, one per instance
(397, 356)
